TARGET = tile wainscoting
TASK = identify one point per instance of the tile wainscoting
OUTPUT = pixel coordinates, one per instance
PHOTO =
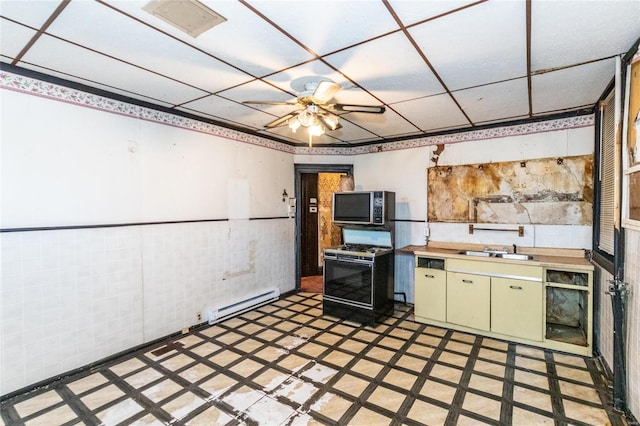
(71, 297)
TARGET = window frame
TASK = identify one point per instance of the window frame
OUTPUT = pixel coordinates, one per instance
(628, 165)
(601, 257)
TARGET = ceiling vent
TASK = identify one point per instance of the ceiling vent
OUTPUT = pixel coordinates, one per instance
(189, 16)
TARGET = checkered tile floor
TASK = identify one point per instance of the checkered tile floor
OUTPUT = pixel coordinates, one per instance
(286, 364)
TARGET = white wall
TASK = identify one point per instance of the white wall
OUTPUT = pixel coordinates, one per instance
(71, 297)
(70, 165)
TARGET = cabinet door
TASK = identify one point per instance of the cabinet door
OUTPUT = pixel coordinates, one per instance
(468, 300)
(430, 294)
(516, 308)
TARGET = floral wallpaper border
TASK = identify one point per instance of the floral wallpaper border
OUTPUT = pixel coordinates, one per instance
(28, 85)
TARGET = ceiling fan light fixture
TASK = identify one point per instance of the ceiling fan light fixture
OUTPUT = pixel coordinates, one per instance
(330, 120)
(316, 130)
(316, 123)
(307, 118)
(294, 124)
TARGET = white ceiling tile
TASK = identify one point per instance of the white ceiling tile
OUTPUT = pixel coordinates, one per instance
(411, 12)
(387, 124)
(257, 90)
(247, 41)
(570, 88)
(244, 39)
(32, 13)
(313, 68)
(13, 38)
(230, 110)
(325, 27)
(569, 32)
(260, 91)
(356, 96)
(503, 120)
(479, 45)
(108, 90)
(82, 63)
(495, 101)
(350, 132)
(389, 67)
(432, 113)
(93, 25)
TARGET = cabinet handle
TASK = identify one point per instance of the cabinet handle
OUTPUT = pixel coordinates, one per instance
(468, 281)
(515, 287)
(429, 276)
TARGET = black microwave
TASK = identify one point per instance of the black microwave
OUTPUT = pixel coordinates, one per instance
(363, 207)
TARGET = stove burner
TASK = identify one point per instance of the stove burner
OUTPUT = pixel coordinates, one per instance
(360, 248)
(358, 251)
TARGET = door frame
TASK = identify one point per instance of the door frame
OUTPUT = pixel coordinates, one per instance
(299, 170)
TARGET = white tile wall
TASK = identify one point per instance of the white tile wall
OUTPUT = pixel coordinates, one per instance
(605, 343)
(72, 297)
(605, 321)
(632, 278)
(564, 236)
(407, 233)
(561, 236)
(69, 298)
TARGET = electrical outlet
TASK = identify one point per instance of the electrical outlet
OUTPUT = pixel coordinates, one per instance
(199, 316)
(185, 330)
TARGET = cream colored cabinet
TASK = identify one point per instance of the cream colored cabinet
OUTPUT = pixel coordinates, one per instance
(430, 289)
(469, 300)
(543, 304)
(516, 308)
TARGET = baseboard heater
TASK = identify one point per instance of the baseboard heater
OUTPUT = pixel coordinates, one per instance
(245, 305)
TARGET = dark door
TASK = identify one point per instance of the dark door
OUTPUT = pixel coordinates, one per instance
(308, 206)
(301, 256)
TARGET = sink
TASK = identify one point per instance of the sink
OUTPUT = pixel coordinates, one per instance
(475, 253)
(514, 256)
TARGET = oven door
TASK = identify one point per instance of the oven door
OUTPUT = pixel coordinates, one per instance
(349, 282)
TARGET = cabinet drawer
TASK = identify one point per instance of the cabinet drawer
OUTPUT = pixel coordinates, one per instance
(469, 300)
(506, 270)
(430, 293)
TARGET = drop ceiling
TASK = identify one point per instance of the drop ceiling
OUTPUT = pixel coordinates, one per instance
(436, 66)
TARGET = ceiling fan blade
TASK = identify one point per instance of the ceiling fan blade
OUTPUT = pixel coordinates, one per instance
(327, 123)
(325, 91)
(279, 121)
(371, 109)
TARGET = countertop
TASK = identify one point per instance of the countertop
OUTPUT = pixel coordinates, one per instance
(547, 257)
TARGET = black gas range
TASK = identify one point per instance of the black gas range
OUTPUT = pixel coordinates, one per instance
(359, 276)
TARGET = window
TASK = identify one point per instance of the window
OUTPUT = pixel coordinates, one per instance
(606, 181)
(617, 157)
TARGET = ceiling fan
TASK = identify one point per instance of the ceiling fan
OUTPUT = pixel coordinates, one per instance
(316, 111)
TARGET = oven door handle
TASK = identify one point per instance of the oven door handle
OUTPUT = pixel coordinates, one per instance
(359, 262)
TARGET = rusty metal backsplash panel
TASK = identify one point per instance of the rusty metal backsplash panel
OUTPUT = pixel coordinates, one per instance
(552, 191)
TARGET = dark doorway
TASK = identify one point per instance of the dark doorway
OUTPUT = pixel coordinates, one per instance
(308, 253)
(308, 203)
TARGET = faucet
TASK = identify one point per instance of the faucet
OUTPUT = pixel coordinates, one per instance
(514, 249)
